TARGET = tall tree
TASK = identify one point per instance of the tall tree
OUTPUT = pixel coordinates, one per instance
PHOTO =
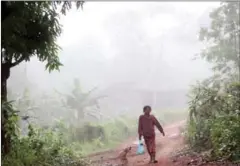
(28, 29)
(222, 38)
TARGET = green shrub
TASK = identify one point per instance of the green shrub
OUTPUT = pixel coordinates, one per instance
(41, 148)
(198, 134)
(225, 137)
(214, 122)
(86, 133)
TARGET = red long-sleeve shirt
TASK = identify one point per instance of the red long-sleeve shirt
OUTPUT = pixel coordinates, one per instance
(146, 125)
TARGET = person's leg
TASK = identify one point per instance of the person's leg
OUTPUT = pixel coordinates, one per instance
(153, 150)
(148, 146)
(153, 158)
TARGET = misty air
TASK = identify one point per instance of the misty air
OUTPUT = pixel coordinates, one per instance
(120, 83)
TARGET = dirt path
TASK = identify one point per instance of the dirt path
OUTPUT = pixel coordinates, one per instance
(165, 146)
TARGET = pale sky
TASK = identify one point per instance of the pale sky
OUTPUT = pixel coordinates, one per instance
(91, 21)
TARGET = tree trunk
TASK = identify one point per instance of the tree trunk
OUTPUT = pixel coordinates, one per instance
(6, 141)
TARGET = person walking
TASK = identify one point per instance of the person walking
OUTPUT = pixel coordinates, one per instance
(146, 130)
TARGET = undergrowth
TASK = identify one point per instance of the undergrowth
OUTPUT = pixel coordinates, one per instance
(214, 122)
(42, 148)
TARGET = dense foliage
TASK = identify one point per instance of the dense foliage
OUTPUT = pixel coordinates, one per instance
(214, 122)
(40, 147)
(31, 29)
(28, 29)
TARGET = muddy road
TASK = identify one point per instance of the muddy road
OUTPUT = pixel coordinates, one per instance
(164, 146)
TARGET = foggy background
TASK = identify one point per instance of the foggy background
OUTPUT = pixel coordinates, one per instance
(134, 53)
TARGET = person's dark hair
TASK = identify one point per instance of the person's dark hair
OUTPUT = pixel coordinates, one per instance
(146, 107)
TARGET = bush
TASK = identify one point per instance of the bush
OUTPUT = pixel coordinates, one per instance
(42, 148)
(86, 133)
(120, 129)
(214, 122)
(90, 137)
(198, 135)
(225, 136)
(106, 135)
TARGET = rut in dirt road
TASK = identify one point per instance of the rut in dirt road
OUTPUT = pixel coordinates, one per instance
(165, 146)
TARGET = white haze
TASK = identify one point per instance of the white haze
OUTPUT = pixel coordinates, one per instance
(142, 45)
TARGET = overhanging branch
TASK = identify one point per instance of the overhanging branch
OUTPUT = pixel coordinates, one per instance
(17, 61)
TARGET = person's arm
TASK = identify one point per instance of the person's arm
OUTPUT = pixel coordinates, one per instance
(158, 125)
(140, 132)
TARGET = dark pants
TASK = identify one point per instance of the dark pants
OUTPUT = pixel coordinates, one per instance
(151, 145)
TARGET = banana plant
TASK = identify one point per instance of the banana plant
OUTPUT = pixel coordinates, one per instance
(23, 103)
(82, 103)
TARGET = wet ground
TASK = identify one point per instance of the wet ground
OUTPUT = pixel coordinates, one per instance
(165, 146)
